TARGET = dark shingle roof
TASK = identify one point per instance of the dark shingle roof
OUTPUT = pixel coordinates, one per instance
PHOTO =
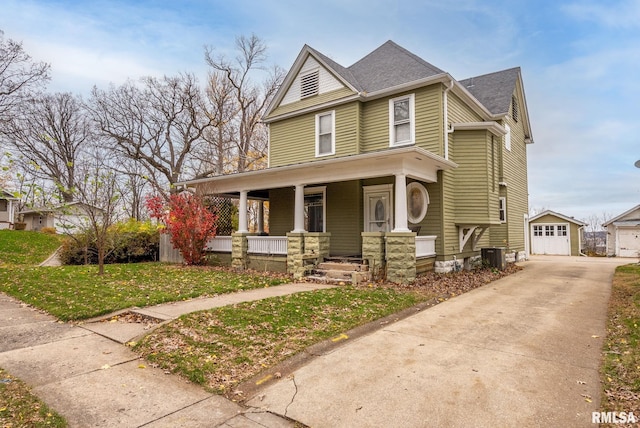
(494, 90)
(390, 65)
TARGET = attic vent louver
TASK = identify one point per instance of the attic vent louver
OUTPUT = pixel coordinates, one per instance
(514, 108)
(309, 84)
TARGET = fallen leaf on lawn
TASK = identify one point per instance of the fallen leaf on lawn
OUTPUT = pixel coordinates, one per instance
(581, 382)
(105, 367)
(595, 336)
(142, 366)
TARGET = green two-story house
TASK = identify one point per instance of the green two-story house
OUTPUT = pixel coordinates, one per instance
(391, 160)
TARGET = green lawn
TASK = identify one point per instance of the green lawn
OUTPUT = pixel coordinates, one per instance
(20, 408)
(22, 247)
(222, 347)
(620, 373)
(78, 292)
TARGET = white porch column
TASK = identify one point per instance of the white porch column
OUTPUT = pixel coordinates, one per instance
(242, 213)
(298, 218)
(261, 217)
(401, 219)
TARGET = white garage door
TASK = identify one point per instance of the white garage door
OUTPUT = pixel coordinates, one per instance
(628, 242)
(550, 239)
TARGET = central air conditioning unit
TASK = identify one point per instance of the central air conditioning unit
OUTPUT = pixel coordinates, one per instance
(494, 257)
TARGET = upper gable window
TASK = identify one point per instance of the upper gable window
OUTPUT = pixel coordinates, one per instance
(310, 84)
(514, 108)
(325, 134)
(402, 120)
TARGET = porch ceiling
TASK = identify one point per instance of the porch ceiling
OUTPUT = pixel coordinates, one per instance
(414, 162)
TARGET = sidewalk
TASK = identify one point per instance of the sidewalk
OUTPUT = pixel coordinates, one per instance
(87, 375)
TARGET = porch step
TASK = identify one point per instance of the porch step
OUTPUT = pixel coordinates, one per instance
(335, 270)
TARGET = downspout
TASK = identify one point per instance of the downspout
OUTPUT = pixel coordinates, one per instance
(580, 231)
(445, 128)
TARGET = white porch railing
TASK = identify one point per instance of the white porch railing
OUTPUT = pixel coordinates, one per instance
(267, 244)
(220, 244)
(425, 246)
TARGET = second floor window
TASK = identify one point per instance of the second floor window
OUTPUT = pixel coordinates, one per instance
(402, 120)
(325, 134)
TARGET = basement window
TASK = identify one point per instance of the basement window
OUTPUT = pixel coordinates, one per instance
(310, 84)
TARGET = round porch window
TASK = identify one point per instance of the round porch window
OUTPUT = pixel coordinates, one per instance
(417, 202)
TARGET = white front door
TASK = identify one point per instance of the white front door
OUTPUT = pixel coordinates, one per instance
(628, 242)
(551, 239)
(378, 213)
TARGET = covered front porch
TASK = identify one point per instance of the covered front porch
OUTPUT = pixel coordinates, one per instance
(351, 206)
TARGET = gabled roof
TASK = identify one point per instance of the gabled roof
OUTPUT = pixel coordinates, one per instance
(4, 194)
(624, 214)
(59, 208)
(562, 216)
(391, 68)
(494, 90)
(391, 65)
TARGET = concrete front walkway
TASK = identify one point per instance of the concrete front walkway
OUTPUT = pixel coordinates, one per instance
(522, 351)
(87, 375)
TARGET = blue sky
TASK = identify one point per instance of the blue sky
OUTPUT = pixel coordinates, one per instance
(580, 62)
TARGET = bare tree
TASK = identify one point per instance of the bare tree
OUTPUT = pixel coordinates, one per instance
(250, 100)
(50, 133)
(158, 125)
(97, 192)
(19, 76)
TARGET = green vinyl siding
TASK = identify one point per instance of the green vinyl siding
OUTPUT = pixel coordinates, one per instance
(281, 211)
(476, 198)
(311, 101)
(344, 218)
(428, 118)
(459, 112)
(293, 141)
(343, 210)
(514, 174)
(375, 125)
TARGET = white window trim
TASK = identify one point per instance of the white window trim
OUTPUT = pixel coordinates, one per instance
(315, 191)
(507, 137)
(412, 119)
(333, 133)
(503, 208)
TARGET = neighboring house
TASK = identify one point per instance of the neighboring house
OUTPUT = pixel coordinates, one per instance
(595, 242)
(623, 234)
(64, 218)
(390, 160)
(8, 209)
(554, 233)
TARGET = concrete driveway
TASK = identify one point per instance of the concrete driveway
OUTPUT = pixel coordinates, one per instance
(522, 351)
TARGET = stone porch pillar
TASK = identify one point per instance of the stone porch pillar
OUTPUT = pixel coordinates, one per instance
(401, 257)
(239, 248)
(295, 251)
(373, 250)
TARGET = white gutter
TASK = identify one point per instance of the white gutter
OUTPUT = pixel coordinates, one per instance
(445, 118)
(580, 242)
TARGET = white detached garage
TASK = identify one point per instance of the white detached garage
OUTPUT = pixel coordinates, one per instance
(555, 234)
(623, 234)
